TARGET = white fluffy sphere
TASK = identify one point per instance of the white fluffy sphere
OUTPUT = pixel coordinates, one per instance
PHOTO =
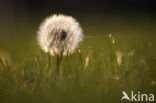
(59, 33)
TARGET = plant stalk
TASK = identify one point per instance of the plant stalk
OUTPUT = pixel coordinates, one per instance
(57, 66)
(49, 60)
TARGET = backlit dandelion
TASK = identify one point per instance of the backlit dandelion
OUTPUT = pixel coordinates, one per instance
(59, 35)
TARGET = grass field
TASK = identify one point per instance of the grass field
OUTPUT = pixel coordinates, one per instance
(98, 71)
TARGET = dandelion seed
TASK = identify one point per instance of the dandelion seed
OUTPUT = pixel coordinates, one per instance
(59, 35)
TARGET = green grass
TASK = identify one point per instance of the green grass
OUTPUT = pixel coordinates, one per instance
(97, 74)
(101, 80)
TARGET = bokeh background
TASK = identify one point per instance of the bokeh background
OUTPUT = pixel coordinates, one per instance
(20, 19)
(26, 77)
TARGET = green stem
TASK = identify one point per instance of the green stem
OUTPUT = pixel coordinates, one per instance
(49, 59)
(57, 66)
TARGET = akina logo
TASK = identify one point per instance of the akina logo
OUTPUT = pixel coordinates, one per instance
(137, 96)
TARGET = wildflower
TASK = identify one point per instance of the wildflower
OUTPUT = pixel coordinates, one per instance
(59, 33)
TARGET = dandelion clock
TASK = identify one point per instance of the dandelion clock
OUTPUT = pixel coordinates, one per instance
(59, 35)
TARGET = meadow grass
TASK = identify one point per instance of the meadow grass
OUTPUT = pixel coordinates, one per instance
(95, 73)
(98, 71)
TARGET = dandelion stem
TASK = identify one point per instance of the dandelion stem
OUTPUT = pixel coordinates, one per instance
(49, 59)
(57, 66)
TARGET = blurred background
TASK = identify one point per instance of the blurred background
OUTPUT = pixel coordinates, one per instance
(133, 20)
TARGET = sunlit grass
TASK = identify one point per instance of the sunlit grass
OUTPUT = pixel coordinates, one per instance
(98, 72)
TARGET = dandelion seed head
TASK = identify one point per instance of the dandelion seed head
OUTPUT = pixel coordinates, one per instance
(59, 33)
